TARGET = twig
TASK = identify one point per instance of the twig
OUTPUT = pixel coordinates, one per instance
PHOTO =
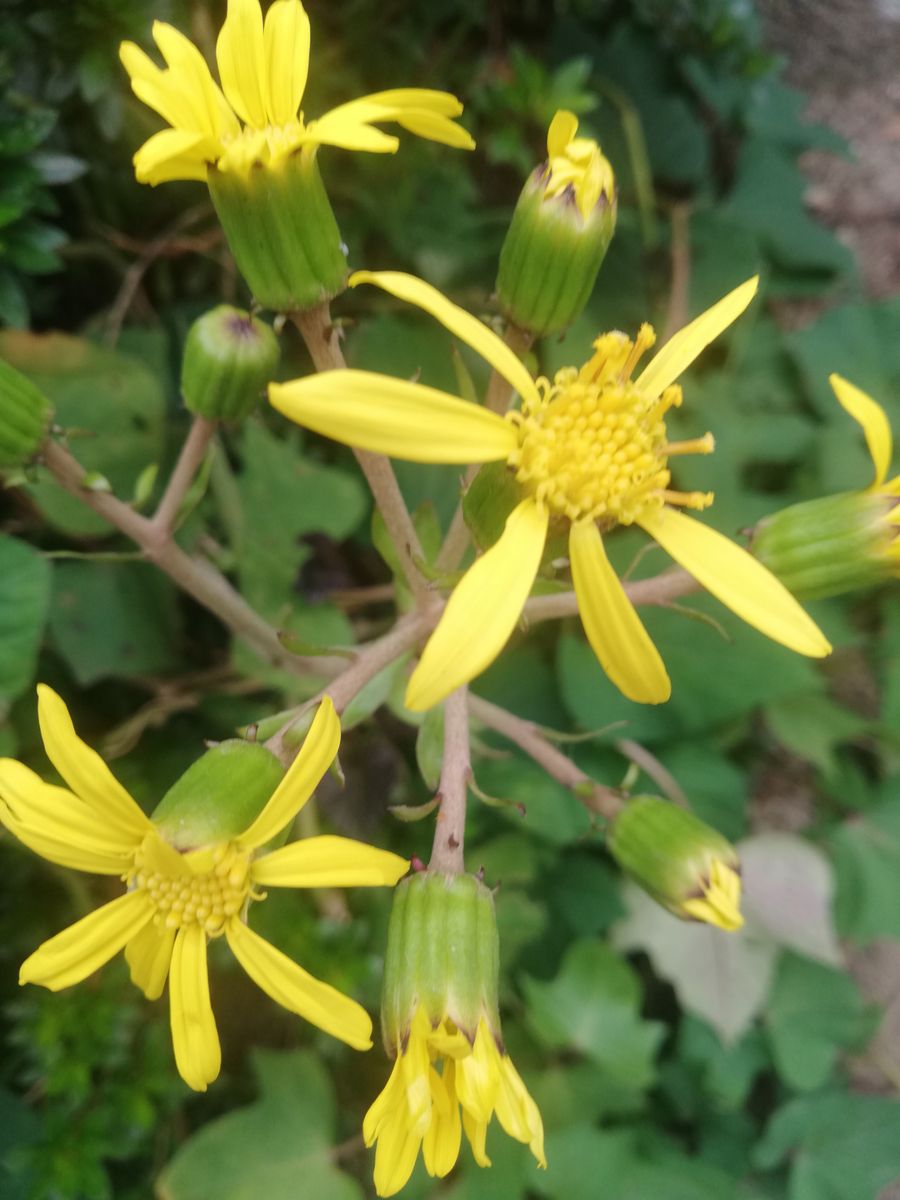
(659, 590)
(449, 833)
(187, 466)
(527, 736)
(651, 766)
(321, 340)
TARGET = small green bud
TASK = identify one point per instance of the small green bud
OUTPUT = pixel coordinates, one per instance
(281, 230)
(442, 955)
(833, 545)
(560, 231)
(218, 796)
(25, 416)
(683, 863)
(229, 357)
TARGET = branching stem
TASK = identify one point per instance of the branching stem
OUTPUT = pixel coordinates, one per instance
(456, 768)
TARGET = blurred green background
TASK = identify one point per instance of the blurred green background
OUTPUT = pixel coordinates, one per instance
(670, 1062)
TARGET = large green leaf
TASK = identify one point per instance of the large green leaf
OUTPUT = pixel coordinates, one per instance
(25, 578)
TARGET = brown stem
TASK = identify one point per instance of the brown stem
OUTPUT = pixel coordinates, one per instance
(449, 833)
(321, 340)
(651, 766)
(199, 579)
(661, 589)
(528, 737)
(186, 468)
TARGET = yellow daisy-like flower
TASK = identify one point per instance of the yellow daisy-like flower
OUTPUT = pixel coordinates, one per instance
(177, 899)
(420, 1106)
(255, 117)
(577, 163)
(589, 450)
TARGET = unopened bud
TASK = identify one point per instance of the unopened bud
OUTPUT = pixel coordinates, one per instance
(25, 416)
(679, 860)
(229, 357)
(559, 234)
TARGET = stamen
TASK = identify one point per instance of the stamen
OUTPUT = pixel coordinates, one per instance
(646, 337)
(700, 445)
(697, 500)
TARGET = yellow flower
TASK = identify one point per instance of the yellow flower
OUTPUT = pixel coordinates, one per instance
(420, 1106)
(577, 163)
(590, 450)
(720, 900)
(255, 117)
(176, 901)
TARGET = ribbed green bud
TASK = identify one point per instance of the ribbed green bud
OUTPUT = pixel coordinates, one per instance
(833, 545)
(282, 232)
(682, 862)
(551, 256)
(25, 416)
(218, 796)
(442, 954)
(229, 357)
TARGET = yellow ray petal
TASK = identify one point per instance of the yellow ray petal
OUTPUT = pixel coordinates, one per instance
(240, 53)
(58, 814)
(195, 1038)
(460, 323)
(873, 419)
(614, 630)
(84, 770)
(63, 853)
(189, 77)
(395, 1154)
(315, 757)
(348, 128)
(393, 416)
(737, 579)
(85, 946)
(296, 990)
(683, 347)
(329, 862)
(174, 154)
(440, 1147)
(443, 104)
(483, 610)
(148, 955)
(154, 87)
(518, 1113)
(286, 39)
(476, 1132)
(562, 129)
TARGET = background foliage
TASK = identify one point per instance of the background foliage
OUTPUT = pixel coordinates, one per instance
(668, 1060)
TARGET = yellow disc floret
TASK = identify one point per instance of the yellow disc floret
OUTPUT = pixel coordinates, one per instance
(593, 447)
(184, 895)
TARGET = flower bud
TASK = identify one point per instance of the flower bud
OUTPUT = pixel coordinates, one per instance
(218, 796)
(25, 415)
(229, 357)
(281, 230)
(680, 861)
(561, 228)
(833, 545)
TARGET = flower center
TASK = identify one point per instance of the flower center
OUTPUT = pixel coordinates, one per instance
(183, 896)
(594, 445)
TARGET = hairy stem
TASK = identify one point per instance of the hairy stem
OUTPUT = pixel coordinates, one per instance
(456, 768)
(186, 468)
(528, 737)
(321, 340)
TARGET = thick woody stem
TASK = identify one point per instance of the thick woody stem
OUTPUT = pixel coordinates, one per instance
(321, 340)
(456, 769)
(528, 737)
(189, 460)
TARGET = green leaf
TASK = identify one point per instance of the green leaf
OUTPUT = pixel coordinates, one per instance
(113, 396)
(114, 619)
(266, 1149)
(867, 860)
(813, 726)
(812, 1013)
(842, 1147)
(593, 1007)
(25, 578)
(430, 746)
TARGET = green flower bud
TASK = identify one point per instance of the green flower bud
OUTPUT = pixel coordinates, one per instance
(833, 545)
(25, 416)
(560, 231)
(218, 796)
(442, 956)
(229, 357)
(683, 863)
(282, 232)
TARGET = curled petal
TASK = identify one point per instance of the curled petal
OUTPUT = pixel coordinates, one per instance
(148, 955)
(873, 419)
(194, 1035)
